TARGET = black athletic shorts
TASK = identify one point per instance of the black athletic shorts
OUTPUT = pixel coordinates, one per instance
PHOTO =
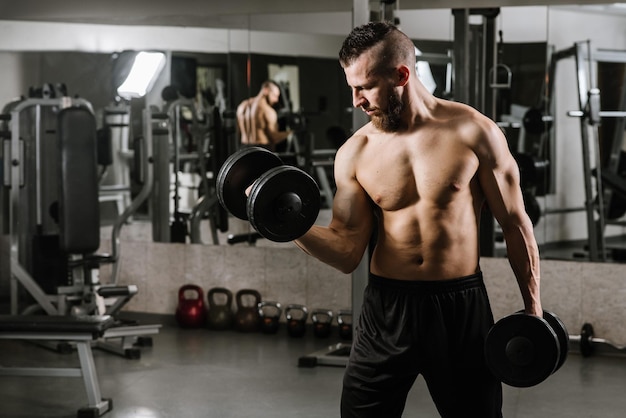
(433, 328)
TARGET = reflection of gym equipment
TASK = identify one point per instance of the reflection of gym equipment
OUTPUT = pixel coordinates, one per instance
(186, 146)
(51, 199)
(115, 177)
(207, 203)
(590, 116)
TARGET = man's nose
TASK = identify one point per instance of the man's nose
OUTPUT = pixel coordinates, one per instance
(357, 99)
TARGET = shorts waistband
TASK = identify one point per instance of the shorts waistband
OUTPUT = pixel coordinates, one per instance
(432, 286)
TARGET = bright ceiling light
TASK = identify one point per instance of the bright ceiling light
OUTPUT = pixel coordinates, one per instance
(143, 74)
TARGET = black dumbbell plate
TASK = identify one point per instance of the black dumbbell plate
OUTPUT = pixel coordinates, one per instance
(522, 350)
(238, 172)
(283, 203)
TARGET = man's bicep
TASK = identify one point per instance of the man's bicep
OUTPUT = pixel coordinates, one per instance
(352, 210)
(499, 176)
(500, 182)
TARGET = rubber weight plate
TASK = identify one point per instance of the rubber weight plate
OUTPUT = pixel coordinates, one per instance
(238, 172)
(586, 340)
(562, 335)
(522, 350)
(283, 203)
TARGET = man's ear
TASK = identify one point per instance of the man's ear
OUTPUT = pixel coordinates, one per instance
(403, 74)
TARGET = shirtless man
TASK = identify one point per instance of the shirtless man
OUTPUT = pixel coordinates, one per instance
(419, 172)
(257, 120)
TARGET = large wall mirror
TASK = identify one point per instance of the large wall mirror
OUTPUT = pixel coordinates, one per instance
(208, 68)
(587, 51)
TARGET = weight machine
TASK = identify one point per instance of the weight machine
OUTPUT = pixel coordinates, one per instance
(590, 117)
(51, 206)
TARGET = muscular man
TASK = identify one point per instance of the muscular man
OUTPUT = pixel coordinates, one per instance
(257, 120)
(419, 172)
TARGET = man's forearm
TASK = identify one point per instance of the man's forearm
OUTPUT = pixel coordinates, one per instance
(523, 256)
(323, 244)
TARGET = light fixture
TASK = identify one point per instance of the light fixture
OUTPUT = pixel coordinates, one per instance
(143, 73)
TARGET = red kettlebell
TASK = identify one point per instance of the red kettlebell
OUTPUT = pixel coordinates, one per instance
(247, 318)
(190, 312)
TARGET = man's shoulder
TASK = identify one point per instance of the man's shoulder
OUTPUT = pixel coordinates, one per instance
(466, 118)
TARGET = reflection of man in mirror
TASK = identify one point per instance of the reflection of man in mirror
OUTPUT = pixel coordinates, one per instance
(257, 119)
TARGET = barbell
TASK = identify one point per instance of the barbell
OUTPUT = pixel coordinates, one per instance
(281, 202)
(589, 343)
(524, 350)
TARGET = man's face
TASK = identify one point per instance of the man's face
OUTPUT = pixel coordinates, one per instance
(273, 94)
(374, 94)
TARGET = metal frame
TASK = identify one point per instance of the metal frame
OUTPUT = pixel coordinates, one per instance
(87, 369)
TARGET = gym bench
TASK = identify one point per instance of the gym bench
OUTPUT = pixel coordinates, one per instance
(81, 331)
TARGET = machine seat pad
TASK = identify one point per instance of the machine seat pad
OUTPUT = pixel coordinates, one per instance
(95, 325)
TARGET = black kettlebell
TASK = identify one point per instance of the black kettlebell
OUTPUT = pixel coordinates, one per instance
(270, 316)
(190, 312)
(247, 318)
(344, 320)
(220, 316)
(322, 320)
(296, 316)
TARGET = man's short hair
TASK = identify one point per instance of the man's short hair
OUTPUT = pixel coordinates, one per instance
(397, 46)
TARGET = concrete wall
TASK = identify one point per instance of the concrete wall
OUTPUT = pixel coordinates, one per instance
(577, 292)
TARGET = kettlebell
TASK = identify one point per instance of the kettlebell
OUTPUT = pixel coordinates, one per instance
(220, 316)
(190, 312)
(322, 320)
(344, 320)
(296, 316)
(270, 312)
(247, 318)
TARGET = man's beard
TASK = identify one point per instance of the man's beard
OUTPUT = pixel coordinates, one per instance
(390, 120)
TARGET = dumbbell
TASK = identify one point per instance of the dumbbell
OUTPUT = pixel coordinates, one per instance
(283, 201)
(524, 350)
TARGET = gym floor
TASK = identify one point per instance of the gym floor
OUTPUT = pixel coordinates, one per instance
(222, 374)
